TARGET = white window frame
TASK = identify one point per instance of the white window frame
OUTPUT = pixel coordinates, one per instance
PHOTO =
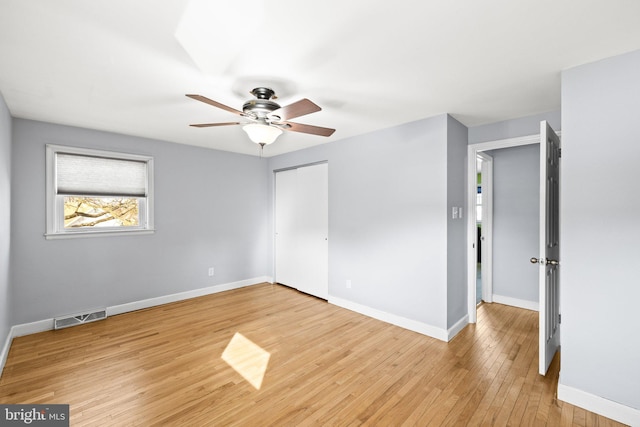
(55, 203)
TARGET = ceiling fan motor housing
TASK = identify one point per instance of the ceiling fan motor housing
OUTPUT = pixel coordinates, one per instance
(259, 108)
(264, 93)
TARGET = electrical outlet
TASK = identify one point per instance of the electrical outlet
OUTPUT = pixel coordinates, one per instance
(211, 271)
(348, 284)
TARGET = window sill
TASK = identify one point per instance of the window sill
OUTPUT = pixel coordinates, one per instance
(85, 234)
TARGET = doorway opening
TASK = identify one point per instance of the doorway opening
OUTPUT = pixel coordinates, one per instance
(548, 285)
(480, 238)
(484, 227)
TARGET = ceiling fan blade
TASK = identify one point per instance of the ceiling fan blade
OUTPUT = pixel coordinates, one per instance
(291, 111)
(208, 125)
(313, 130)
(215, 104)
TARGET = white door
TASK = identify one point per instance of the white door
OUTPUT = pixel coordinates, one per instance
(302, 229)
(313, 228)
(285, 224)
(549, 246)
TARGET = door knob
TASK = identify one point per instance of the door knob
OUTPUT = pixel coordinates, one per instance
(534, 260)
(552, 262)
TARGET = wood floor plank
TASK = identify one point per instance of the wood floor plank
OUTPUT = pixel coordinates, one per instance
(326, 366)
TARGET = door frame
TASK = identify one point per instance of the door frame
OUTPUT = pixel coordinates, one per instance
(486, 262)
(472, 153)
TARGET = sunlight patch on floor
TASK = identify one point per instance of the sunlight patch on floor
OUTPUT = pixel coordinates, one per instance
(247, 358)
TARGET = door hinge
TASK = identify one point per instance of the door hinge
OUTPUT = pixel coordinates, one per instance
(559, 152)
(559, 319)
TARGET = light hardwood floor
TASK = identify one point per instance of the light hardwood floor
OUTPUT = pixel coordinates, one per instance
(326, 366)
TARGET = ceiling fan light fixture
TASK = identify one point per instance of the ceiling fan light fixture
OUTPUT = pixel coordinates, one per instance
(267, 120)
(262, 134)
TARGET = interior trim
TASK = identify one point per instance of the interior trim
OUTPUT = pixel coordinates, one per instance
(599, 405)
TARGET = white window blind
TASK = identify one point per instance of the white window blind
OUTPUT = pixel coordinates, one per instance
(100, 176)
(96, 192)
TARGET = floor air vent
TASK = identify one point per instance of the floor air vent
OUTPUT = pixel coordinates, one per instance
(78, 319)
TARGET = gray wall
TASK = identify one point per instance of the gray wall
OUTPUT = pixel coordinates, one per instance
(5, 220)
(516, 217)
(600, 229)
(388, 210)
(524, 126)
(456, 228)
(209, 211)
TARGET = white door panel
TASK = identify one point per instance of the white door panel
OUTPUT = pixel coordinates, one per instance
(312, 230)
(302, 229)
(285, 224)
(549, 246)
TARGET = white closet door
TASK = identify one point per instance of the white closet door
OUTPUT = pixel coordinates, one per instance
(286, 247)
(302, 226)
(312, 230)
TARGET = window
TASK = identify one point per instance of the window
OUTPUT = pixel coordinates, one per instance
(93, 192)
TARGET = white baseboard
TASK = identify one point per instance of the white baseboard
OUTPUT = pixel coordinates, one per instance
(515, 302)
(166, 299)
(5, 351)
(455, 329)
(48, 324)
(607, 408)
(31, 328)
(412, 325)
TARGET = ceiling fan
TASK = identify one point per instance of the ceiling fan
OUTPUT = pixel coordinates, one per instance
(267, 119)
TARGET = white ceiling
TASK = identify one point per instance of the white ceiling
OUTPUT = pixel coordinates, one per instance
(125, 65)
